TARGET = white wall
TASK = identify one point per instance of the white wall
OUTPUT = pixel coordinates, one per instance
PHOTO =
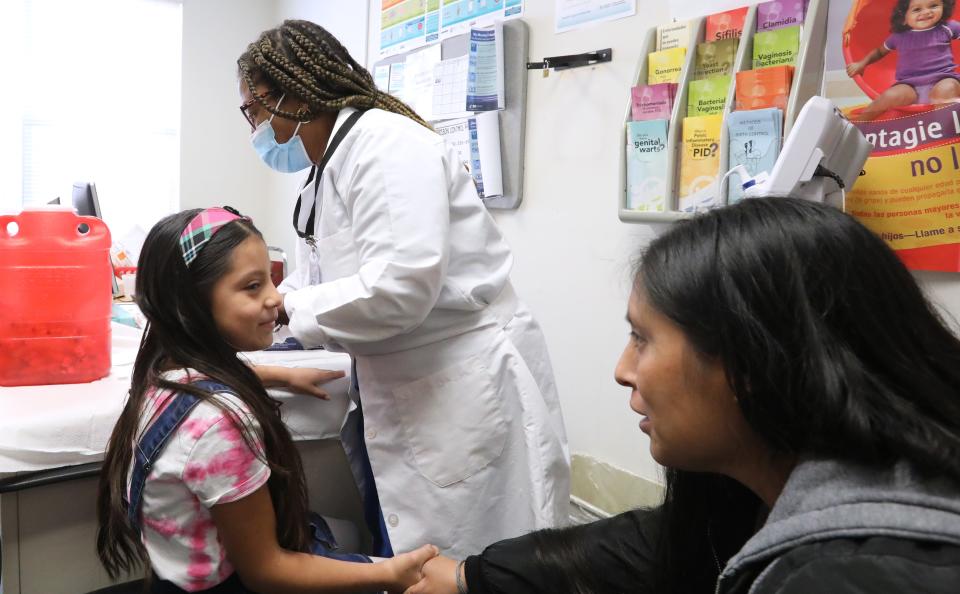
(572, 254)
(347, 21)
(218, 165)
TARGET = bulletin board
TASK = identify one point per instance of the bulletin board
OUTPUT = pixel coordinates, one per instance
(512, 117)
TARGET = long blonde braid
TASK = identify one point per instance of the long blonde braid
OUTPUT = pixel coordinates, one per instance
(303, 60)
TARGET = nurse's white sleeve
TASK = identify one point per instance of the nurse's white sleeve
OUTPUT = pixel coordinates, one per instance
(299, 277)
(394, 186)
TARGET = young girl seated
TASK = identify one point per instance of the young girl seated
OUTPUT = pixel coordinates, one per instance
(201, 481)
(921, 33)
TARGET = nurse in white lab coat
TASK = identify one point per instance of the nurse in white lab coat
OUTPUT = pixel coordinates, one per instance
(401, 266)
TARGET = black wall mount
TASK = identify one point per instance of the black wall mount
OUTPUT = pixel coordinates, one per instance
(572, 60)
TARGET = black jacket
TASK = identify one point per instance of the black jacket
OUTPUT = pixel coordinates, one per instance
(611, 555)
(836, 528)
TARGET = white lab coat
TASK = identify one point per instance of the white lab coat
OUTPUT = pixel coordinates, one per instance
(410, 275)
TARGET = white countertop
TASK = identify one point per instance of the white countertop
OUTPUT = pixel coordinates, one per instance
(61, 425)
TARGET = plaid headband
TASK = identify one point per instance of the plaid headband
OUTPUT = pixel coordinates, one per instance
(201, 229)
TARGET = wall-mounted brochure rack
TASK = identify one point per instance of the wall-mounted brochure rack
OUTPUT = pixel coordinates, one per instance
(807, 82)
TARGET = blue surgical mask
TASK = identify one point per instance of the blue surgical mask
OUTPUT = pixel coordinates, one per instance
(288, 157)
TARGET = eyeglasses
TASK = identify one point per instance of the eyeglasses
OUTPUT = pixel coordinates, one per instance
(245, 108)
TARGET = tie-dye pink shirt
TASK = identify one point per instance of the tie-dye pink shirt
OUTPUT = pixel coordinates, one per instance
(205, 462)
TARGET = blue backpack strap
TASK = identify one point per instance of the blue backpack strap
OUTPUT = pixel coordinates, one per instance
(149, 447)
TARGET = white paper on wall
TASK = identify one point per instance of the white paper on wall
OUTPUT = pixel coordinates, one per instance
(418, 80)
(682, 10)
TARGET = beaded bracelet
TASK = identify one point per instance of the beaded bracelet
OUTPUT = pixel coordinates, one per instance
(461, 587)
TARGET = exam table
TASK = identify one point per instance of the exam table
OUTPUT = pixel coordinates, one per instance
(52, 440)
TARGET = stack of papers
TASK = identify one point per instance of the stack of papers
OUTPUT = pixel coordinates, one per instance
(652, 102)
(476, 140)
(755, 139)
(726, 25)
(665, 66)
(647, 165)
(673, 35)
(776, 14)
(715, 58)
(766, 87)
(700, 163)
(707, 96)
(485, 69)
(778, 47)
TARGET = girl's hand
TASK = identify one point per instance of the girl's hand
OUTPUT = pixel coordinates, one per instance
(438, 577)
(405, 569)
(306, 380)
(856, 68)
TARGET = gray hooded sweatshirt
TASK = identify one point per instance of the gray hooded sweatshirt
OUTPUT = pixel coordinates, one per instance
(829, 500)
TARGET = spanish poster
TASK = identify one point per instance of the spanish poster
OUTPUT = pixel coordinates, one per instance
(891, 67)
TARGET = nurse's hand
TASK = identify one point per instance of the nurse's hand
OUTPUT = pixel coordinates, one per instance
(439, 577)
(406, 569)
(302, 380)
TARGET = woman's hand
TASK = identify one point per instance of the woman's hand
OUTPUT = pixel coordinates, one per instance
(303, 380)
(439, 577)
(406, 569)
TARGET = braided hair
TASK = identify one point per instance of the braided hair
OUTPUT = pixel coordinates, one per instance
(303, 60)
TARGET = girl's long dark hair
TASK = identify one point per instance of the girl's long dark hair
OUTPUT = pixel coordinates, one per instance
(181, 333)
(830, 346)
(898, 18)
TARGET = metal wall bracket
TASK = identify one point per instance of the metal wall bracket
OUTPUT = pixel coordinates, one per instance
(572, 60)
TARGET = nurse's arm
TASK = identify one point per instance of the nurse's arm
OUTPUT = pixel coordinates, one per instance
(302, 380)
(395, 190)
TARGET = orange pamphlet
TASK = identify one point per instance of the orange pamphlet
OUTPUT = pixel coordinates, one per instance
(764, 87)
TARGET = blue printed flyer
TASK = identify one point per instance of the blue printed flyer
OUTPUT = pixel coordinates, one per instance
(485, 71)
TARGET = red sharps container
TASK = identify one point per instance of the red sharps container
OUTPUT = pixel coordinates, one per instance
(55, 299)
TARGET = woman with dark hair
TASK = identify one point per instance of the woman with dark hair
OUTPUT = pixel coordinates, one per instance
(805, 398)
(461, 440)
(201, 483)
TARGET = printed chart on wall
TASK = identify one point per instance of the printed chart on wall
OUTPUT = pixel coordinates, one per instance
(409, 24)
(895, 76)
(576, 14)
